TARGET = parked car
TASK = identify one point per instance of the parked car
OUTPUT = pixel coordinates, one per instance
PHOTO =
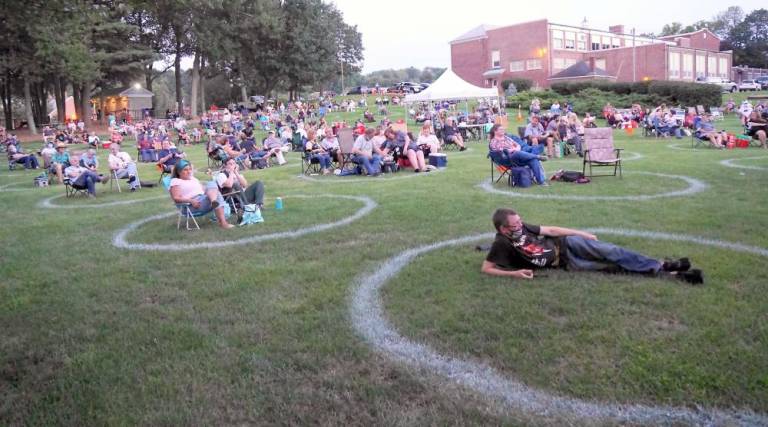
(725, 84)
(763, 80)
(749, 85)
(408, 87)
(358, 90)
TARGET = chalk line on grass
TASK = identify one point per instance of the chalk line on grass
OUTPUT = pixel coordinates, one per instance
(369, 321)
(729, 163)
(686, 147)
(694, 186)
(47, 203)
(119, 239)
(404, 174)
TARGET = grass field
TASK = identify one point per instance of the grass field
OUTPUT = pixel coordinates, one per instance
(260, 333)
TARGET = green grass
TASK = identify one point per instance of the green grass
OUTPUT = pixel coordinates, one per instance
(259, 333)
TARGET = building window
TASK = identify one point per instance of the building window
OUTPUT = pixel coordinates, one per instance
(557, 39)
(495, 59)
(600, 63)
(581, 45)
(701, 66)
(615, 42)
(517, 66)
(712, 66)
(595, 45)
(688, 66)
(723, 67)
(674, 65)
(570, 40)
(606, 43)
(533, 64)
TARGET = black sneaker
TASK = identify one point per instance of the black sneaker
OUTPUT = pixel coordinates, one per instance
(682, 264)
(694, 277)
(131, 179)
(462, 149)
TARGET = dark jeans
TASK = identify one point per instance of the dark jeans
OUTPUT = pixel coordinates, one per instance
(255, 193)
(87, 179)
(372, 166)
(30, 162)
(522, 158)
(594, 255)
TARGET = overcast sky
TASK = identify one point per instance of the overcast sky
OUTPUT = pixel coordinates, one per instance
(401, 33)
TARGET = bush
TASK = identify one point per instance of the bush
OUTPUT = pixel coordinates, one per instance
(672, 93)
(522, 85)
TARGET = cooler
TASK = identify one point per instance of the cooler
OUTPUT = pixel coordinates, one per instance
(438, 160)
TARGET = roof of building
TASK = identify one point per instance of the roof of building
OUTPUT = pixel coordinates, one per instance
(690, 33)
(136, 92)
(478, 32)
(581, 69)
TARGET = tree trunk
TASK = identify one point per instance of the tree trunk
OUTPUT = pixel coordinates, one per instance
(195, 83)
(86, 100)
(60, 100)
(148, 80)
(244, 93)
(6, 95)
(177, 70)
(28, 107)
(202, 86)
(77, 94)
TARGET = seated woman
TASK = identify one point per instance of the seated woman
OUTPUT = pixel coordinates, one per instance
(510, 154)
(574, 132)
(185, 188)
(757, 127)
(451, 134)
(427, 138)
(315, 151)
(82, 177)
(230, 180)
(183, 137)
(368, 116)
(398, 145)
(331, 145)
(705, 130)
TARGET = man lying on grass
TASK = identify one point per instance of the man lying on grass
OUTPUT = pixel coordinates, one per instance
(519, 248)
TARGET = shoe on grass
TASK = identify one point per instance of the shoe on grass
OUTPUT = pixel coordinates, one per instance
(543, 158)
(694, 277)
(682, 264)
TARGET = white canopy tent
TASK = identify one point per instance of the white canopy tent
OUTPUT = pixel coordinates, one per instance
(450, 87)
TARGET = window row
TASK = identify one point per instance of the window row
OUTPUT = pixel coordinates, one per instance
(525, 64)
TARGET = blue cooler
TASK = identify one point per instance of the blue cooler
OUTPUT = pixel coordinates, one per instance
(438, 160)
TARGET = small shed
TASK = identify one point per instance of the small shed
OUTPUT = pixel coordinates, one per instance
(121, 101)
(138, 98)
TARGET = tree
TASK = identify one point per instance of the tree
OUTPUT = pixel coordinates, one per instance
(671, 29)
(725, 21)
(749, 40)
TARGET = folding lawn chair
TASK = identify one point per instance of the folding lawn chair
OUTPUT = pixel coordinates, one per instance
(599, 151)
(346, 139)
(72, 190)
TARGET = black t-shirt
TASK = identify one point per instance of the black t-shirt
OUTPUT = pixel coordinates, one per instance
(530, 251)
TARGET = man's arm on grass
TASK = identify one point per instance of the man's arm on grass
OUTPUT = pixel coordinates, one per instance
(553, 231)
(492, 270)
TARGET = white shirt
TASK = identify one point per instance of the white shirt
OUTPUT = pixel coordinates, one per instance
(119, 161)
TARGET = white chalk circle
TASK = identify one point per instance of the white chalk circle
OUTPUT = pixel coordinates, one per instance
(729, 163)
(688, 148)
(119, 239)
(370, 322)
(333, 179)
(694, 186)
(7, 188)
(626, 156)
(48, 202)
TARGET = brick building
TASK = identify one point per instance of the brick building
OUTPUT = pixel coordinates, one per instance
(545, 52)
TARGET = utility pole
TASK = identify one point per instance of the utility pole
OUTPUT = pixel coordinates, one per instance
(634, 55)
(342, 77)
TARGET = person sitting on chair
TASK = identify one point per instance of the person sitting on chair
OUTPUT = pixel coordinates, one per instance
(367, 154)
(122, 165)
(229, 180)
(427, 138)
(706, 130)
(757, 127)
(331, 145)
(89, 160)
(82, 177)
(512, 154)
(520, 248)
(534, 133)
(400, 145)
(168, 157)
(316, 152)
(17, 156)
(185, 188)
(451, 134)
(368, 116)
(274, 147)
(60, 161)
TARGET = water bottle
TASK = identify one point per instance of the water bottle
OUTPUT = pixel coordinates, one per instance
(279, 203)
